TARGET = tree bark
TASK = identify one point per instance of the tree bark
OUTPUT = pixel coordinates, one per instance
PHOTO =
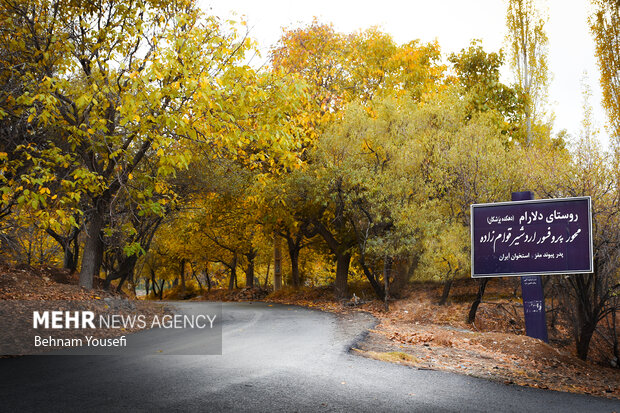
(277, 263)
(614, 332)
(75, 255)
(249, 273)
(124, 278)
(583, 339)
(161, 289)
(67, 261)
(70, 248)
(474, 306)
(233, 273)
(197, 280)
(401, 270)
(266, 276)
(295, 244)
(182, 273)
(154, 282)
(387, 269)
(293, 252)
(374, 283)
(124, 272)
(447, 284)
(341, 287)
(207, 277)
(93, 251)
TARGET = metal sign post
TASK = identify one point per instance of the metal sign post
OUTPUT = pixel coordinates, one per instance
(533, 294)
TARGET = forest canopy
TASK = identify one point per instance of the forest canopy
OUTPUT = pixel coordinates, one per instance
(138, 147)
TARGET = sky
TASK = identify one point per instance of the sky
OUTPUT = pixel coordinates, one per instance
(453, 23)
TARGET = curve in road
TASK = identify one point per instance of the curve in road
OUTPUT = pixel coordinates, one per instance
(275, 358)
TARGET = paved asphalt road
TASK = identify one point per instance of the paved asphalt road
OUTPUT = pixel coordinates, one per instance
(275, 358)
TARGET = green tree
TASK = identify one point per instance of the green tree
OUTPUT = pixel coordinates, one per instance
(590, 171)
(148, 80)
(527, 42)
(605, 27)
(445, 255)
(340, 68)
(286, 209)
(478, 72)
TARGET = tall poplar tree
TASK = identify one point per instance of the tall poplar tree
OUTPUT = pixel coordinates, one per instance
(605, 27)
(527, 44)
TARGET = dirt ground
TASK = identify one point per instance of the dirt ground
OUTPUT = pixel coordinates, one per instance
(26, 288)
(417, 332)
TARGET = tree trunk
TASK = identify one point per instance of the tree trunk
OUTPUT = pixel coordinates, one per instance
(614, 333)
(68, 260)
(197, 280)
(124, 272)
(266, 276)
(75, 255)
(233, 273)
(30, 244)
(70, 247)
(374, 283)
(154, 283)
(341, 287)
(207, 277)
(93, 251)
(161, 289)
(387, 269)
(182, 273)
(128, 273)
(277, 263)
(447, 284)
(293, 252)
(124, 278)
(583, 340)
(249, 273)
(474, 306)
(146, 286)
(400, 274)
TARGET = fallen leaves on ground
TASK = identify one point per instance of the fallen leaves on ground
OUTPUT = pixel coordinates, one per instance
(509, 358)
(419, 333)
(25, 288)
